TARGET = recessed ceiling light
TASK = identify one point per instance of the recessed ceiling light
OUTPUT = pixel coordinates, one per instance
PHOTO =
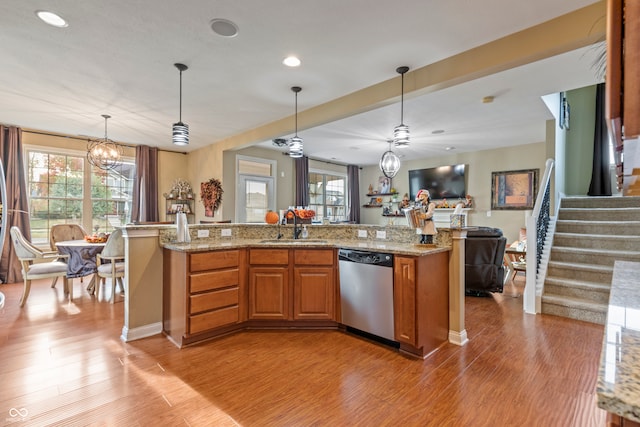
(51, 18)
(437, 131)
(224, 27)
(450, 148)
(291, 61)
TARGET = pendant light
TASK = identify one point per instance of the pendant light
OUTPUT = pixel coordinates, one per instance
(104, 153)
(389, 163)
(401, 132)
(295, 143)
(180, 130)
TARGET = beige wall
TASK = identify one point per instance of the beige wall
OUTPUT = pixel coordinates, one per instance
(480, 164)
(171, 166)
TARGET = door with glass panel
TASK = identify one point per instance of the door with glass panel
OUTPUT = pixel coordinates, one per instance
(255, 198)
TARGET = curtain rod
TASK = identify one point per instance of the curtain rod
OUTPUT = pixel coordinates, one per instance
(325, 161)
(87, 139)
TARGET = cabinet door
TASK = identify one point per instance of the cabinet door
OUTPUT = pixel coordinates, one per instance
(404, 299)
(269, 293)
(314, 293)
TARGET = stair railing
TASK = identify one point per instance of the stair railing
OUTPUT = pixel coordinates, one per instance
(537, 226)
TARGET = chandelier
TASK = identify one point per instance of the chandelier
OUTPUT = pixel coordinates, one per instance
(389, 163)
(104, 153)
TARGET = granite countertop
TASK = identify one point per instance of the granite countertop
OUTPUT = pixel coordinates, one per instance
(379, 246)
(618, 386)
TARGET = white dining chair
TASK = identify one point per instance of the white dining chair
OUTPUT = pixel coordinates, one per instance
(37, 264)
(114, 253)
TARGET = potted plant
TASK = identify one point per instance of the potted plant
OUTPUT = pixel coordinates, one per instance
(211, 195)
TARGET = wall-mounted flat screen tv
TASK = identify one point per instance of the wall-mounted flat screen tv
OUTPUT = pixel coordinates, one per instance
(443, 182)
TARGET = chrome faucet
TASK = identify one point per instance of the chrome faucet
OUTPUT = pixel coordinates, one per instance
(296, 231)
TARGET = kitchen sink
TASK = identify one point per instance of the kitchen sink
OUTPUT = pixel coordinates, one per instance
(292, 241)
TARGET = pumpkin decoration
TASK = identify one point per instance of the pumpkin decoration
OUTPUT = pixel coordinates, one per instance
(271, 217)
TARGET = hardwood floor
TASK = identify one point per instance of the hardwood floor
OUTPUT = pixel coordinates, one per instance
(63, 364)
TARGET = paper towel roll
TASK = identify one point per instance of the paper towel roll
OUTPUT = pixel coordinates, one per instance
(182, 230)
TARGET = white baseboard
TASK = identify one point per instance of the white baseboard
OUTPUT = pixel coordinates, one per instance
(458, 338)
(140, 332)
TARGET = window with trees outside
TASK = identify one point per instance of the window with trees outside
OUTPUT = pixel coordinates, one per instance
(58, 183)
(328, 195)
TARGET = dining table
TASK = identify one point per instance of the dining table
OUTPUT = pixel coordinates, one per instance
(82, 258)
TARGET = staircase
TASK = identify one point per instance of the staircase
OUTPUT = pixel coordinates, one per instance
(590, 234)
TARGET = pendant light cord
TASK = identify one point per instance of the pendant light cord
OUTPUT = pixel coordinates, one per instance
(402, 100)
(180, 120)
(296, 113)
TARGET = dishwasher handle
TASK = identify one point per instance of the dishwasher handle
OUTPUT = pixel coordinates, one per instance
(365, 257)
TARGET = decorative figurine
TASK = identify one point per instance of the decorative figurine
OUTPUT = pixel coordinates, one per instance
(405, 201)
(423, 198)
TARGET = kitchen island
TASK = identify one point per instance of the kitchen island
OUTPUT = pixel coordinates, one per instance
(618, 385)
(148, 246)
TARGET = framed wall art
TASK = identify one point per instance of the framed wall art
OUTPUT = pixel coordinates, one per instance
(514, 190)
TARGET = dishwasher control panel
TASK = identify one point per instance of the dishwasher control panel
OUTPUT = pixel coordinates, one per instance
(366, 257)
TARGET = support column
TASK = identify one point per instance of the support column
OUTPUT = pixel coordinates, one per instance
(457, 332)
(143, 283)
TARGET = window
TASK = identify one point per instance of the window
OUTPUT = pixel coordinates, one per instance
(111, 196)
(58, 182)
(255, 193)
(328, 195)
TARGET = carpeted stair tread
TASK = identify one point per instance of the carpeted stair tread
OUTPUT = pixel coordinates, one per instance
(574, 302)
(595, 251)
(580, 284)
(578, 265)
(621, 237)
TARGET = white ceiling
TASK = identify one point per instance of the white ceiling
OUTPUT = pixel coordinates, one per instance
(116, 57)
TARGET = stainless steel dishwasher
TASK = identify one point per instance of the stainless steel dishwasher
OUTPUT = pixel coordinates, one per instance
(366, 291)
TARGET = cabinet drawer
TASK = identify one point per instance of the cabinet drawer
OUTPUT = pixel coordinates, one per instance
(213, 319)
(213, 260)
(214, 280)
(269, 256)
(213, 300)
(314, 257)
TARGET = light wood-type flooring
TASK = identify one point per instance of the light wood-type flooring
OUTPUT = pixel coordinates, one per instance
(64, 364)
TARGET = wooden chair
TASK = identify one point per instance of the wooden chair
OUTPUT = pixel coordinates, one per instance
(27, 254)
(114, 253)
(62, 232)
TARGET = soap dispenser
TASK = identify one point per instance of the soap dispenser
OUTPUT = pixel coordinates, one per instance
(305, 232)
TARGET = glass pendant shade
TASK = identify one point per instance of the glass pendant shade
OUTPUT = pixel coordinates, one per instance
(104, 153)
(401, 136)
(180, 134)
(180, 130)
(389, 164)
(295, 147)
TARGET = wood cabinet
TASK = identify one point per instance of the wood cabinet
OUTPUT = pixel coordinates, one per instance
(421, 302)
(204, 292)
(310, 295)
(269, 284)
(314, 291)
